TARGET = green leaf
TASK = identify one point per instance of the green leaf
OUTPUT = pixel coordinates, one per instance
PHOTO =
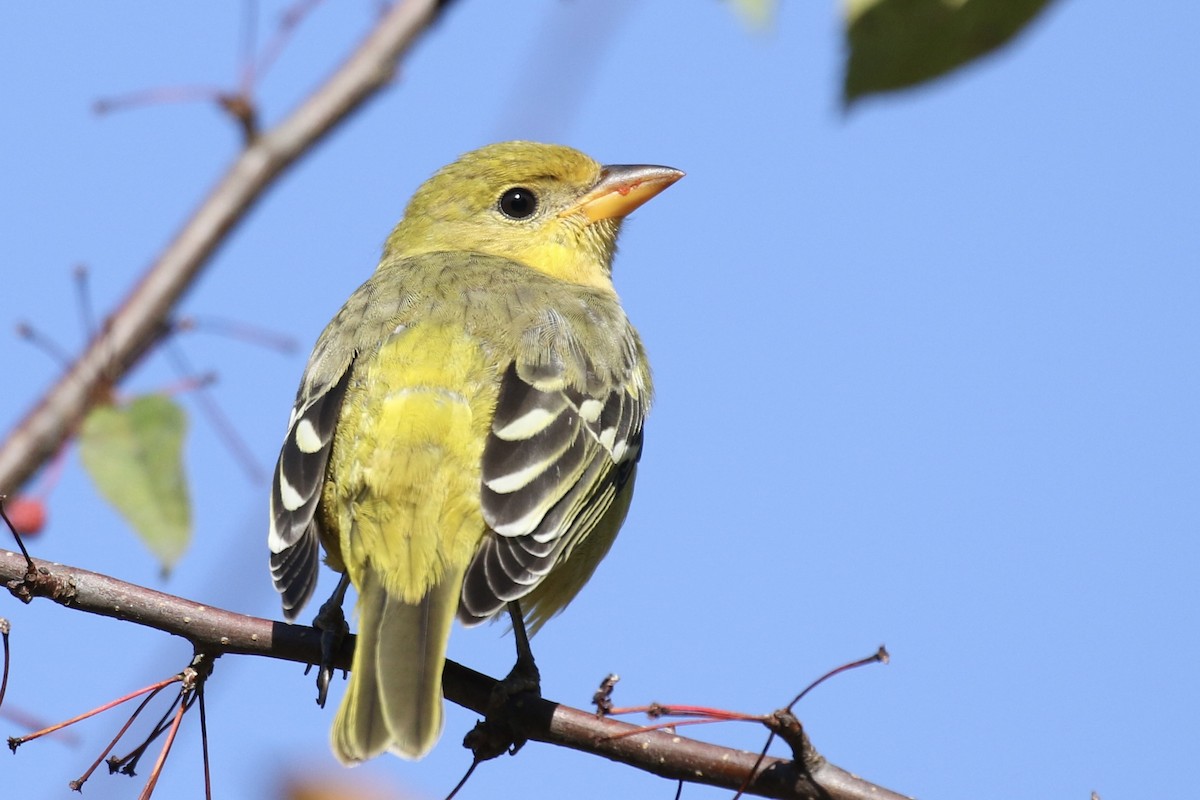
(894, 44)
(134, 455)
(755, 13)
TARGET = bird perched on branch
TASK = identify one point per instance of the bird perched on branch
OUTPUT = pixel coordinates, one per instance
(466, 434)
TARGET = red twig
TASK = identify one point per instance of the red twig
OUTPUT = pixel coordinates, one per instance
(879, 656)
(77, 784)
(16, 741)
(152, 781)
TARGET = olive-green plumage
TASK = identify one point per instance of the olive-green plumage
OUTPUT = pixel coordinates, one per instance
(467, 430)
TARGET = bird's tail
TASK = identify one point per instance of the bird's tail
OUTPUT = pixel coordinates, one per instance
(393, 700)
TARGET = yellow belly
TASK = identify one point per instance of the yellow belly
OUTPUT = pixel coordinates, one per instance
(407, 455)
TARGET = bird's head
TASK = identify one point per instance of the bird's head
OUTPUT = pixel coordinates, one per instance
(546, 206)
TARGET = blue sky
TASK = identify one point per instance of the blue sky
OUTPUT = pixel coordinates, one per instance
(928, 375)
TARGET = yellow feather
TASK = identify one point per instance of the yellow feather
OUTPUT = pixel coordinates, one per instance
(407, 452)
(471, 292)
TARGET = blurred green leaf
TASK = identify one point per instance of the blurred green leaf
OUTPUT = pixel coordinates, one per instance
(894, 44)
(755, 13)
(134, 455)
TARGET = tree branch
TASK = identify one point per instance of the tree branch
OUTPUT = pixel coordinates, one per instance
(143, 317)
(216, 632)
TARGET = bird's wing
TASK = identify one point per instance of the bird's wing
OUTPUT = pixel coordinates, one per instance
(554, 461)
(294, 539)
(373, 313)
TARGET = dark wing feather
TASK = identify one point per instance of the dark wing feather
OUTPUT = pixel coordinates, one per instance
(294, 539)
(552, 464)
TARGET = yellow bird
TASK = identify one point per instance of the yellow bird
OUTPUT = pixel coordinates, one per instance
(467, 430)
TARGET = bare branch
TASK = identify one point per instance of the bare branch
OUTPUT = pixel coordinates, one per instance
(216, 631)
(143, 316)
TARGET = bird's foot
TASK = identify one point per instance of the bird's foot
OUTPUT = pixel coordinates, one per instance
(522, 679)
(499, 731)
(331, 622)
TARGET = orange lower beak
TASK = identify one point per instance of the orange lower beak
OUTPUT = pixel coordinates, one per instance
(622, 188)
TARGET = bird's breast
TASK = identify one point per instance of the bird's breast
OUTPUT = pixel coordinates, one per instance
(408, 448)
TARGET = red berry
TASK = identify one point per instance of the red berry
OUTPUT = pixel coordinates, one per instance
(27, 516)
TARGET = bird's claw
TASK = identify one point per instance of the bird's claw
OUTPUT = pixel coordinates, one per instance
(331, 622)
(523, 678)
(497, 733)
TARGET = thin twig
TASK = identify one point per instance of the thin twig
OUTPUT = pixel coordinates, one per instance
(227, 432)
(289, 21)
(671, 725)
(475, 762)
(152, 781)
(16, 741)
(143, 315)
(83, 294)
(5, 629)
(879, 656)
(204, 744)
(16, 534)
(41, 341)
(77, 784)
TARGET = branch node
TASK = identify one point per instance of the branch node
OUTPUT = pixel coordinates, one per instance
(243, 111)
(602, 699)
(199, 670)
(784, 724)
(40, 582)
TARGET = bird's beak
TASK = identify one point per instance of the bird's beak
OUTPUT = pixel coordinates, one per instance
(622, 188)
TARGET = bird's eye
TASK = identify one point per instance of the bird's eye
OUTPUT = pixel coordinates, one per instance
(518, 203)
